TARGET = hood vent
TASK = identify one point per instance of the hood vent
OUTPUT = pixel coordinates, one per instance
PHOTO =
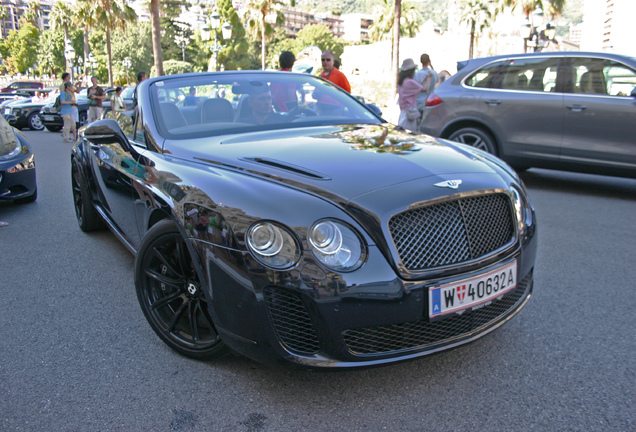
(287, 167)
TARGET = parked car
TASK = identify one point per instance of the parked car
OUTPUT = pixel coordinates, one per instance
(561, 110)
(17, 164)
(320, 237)
(20, 85)
(27, 112)
(52, 120)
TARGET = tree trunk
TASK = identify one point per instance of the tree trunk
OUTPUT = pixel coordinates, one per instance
(156, 37)
(263, 43)
(110, 58)
(396, 44)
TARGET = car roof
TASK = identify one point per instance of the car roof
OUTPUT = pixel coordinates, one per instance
(482, 60)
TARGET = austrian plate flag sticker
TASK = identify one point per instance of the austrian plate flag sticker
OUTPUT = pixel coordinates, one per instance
(471, 293)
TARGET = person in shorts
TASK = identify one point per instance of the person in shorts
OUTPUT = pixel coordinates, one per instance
(97, 94)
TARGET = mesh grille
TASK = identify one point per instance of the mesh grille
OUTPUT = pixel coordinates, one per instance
(291, 321)
(452, 232)
(421, 334)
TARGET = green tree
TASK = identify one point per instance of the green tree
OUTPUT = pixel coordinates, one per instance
(257, 12)
(19, 49)
(553, 7)
(61, 17)
(176, 67)
(384, 18)
(4, 15)
(322, 37)
(478, 16)
(33, 14)
(235, 54)
(109, 15)
(134, 44)
(50, 52)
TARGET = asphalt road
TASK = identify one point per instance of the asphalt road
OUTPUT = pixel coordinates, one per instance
(76, 353)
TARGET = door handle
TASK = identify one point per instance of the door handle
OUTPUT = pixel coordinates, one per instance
(492, 102)
(576, 108)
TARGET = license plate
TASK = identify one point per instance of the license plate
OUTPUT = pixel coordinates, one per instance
(471, 293)
(49, 118)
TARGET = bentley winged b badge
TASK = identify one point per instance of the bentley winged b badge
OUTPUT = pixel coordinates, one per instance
(451, 184)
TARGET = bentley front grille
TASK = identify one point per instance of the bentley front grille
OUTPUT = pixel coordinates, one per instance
(424, 334)
(452, 232)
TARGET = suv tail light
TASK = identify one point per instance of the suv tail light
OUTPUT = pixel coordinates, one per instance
(433, 100)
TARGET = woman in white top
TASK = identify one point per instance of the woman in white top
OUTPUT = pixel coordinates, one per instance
(116, 102)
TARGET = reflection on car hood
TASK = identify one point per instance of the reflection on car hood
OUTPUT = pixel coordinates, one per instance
(343, 161)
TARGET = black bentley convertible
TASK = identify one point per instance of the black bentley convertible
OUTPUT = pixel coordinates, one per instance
(276, 215)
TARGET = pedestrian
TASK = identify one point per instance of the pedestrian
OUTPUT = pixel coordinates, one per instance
(141, 76)
(408, 91)
(191, 99)
(67, 100)
(66, 77)
(96, 94)
(284, 95)
(331, 73)
(116, 102)
(427, 77)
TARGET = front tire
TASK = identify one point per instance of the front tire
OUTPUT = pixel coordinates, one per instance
(87, 217)
(172, 297)
(475, 137)
(35, 122)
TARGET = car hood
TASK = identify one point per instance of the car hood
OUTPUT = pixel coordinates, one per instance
(338, 162)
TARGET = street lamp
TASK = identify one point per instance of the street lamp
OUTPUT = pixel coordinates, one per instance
(92, 61)
(226, 33)
(127, 64)
(69, 54)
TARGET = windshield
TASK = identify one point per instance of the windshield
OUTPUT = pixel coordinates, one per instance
(231, 102)
(127, 93)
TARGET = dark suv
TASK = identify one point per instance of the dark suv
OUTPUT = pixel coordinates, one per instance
(572, 111)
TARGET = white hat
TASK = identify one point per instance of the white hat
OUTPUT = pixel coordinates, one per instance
(408, 64)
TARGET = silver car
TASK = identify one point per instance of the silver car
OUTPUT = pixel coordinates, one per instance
(572, 111)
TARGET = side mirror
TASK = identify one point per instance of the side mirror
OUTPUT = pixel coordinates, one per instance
(11, 119)
(633, 93)
(376, 110)
(105, 131)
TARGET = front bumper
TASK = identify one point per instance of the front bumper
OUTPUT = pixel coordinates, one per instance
(17, 178)
(366, 320)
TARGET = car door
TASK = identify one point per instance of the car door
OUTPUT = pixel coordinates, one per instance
(115, 166)
(599, 126)
(524, 106)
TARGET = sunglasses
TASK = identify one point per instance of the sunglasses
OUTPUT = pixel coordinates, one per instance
(326, 59)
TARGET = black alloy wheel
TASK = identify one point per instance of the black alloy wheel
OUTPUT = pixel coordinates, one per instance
(172, 296)
(475, 137)
(87, 217)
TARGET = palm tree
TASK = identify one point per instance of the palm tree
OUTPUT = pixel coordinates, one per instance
(555, 8)
(477, 14)
(156, 37)
(33, 14)
(259, 10)
(110, 15)
(61, 16)
(384, 18)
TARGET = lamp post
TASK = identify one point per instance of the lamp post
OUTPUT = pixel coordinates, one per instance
(69, 54)
(226, 33)
(92, 61)
(127, 64)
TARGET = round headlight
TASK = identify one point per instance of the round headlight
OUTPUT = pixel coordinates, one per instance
(336, 245)
(266, 239)
(273, 246)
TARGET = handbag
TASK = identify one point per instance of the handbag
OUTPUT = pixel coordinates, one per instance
(412, 113)
(92, 102)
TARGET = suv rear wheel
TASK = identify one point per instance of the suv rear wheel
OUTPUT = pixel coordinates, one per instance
(475, 137)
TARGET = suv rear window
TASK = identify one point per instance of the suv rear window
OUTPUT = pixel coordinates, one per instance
(529, 74)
